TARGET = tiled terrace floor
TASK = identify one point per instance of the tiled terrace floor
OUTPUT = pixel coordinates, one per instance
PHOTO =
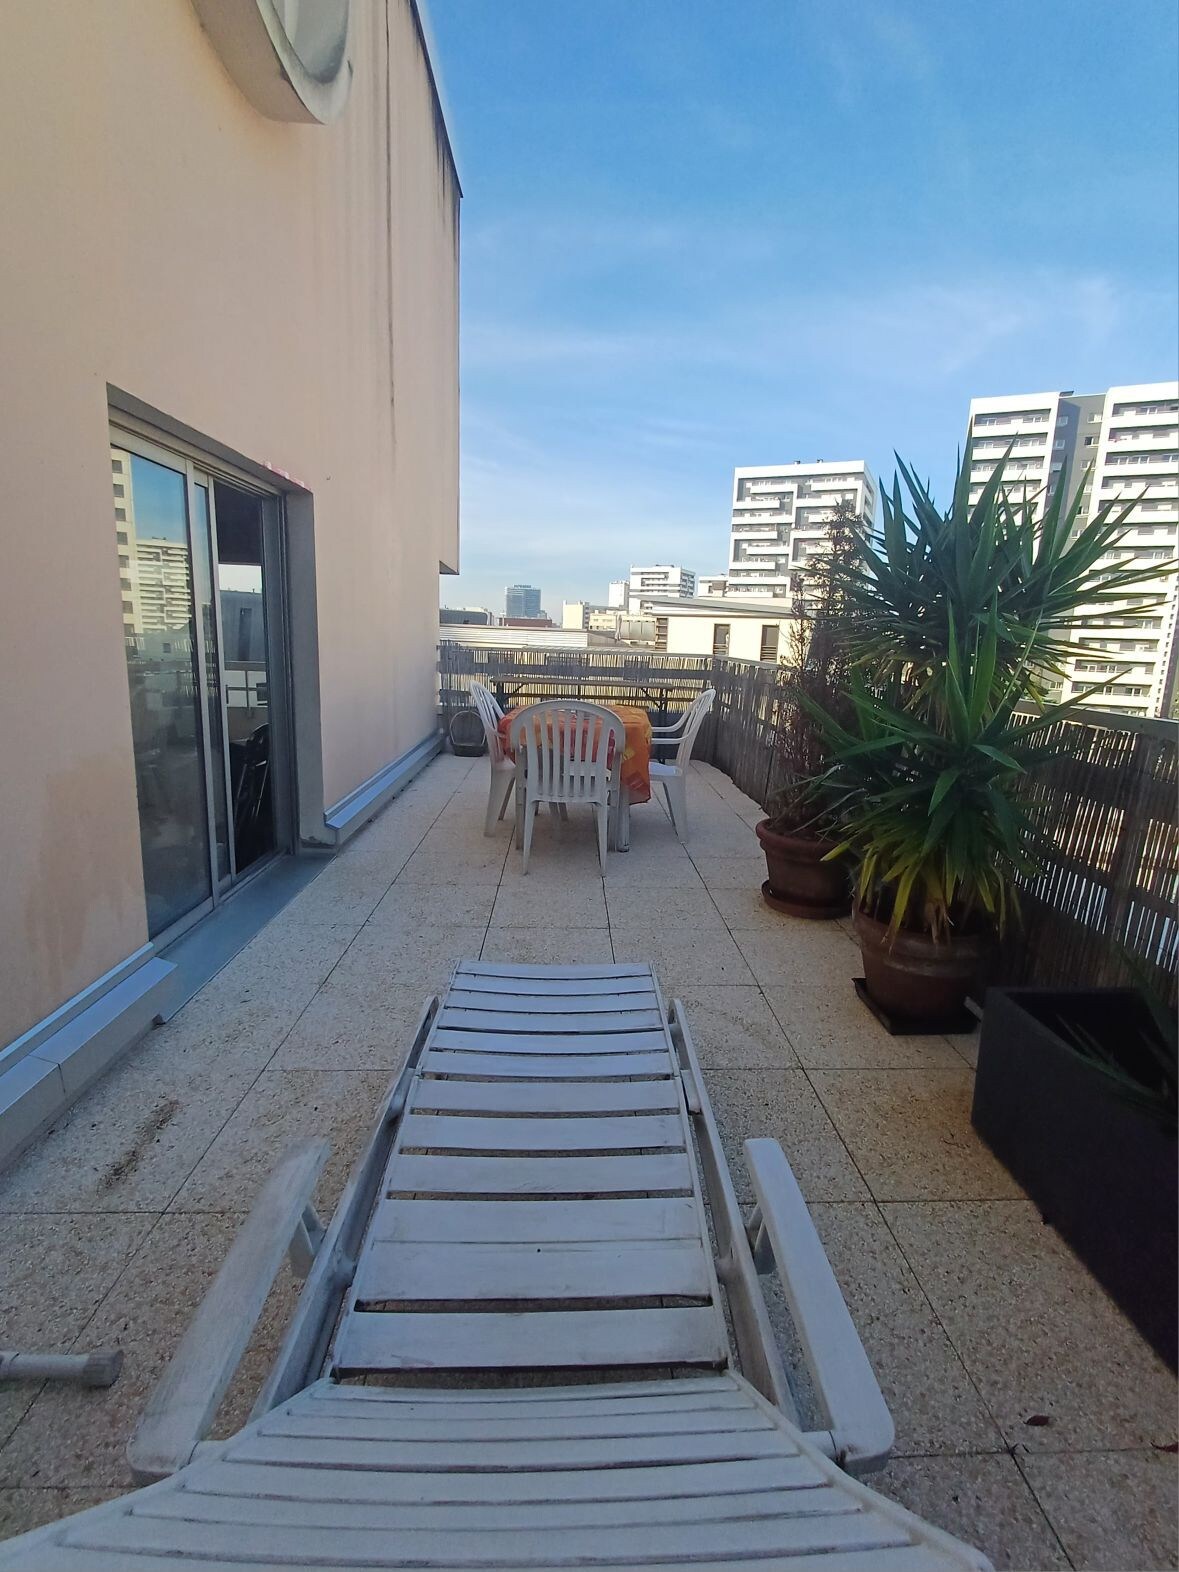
(975, 1315)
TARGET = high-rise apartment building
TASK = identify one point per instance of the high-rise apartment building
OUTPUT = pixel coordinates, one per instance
(521, 600)
(1119, 446)
(660, 579)
(618, 594)
(781, 514)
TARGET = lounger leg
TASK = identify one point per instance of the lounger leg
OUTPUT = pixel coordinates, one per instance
(509, 788)
(601, 815)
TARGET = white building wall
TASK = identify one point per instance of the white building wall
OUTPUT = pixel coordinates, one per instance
(1030, 424)
(781, 514)
(1130, 438)
(1128, 649)
(694, 631)
(659, 579)
(576, 613)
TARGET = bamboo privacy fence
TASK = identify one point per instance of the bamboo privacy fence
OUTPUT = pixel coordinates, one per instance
(1100, 913)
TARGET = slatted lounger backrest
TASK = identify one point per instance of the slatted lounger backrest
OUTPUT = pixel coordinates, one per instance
(541, 1207)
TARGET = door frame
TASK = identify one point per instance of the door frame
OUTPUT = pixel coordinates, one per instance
(202, 468)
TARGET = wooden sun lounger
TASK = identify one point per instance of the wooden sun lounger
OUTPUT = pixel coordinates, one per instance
(522, 1263)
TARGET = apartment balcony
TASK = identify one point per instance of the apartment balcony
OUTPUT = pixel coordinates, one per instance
(1146, 440)
(976, 1317)
(1029, 1413)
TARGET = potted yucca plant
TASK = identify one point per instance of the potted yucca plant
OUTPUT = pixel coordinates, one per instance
(796, 834)
(953, 624)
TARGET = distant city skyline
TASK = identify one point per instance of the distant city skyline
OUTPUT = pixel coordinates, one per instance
(700, 237)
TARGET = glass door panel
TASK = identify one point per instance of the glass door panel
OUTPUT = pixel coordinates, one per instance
(211, 696)
(245, 667)
(163, 671)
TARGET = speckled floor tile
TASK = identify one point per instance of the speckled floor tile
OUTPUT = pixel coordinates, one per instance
(692, 908)
(733, 1027)
(448, 906)
(781, 1104)
(283, 1107)
(23, 1510)
(835, 1032)
(548, 946)
(54, 1272)
(442, 860)
(1034, 1330)
(682, 958)
(735, 871)
(344, 1029)
(982, 1500)
(127, 1144)
(745, 909)
(910, 1133)
(576, 904)
(77, 1437)
(352, 884)
(814, 959)
(966, 1045)
(934, 1405)
(1113, 1511)
(400, 954)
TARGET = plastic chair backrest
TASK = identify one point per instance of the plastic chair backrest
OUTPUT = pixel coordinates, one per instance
(491, 715)
(693, 720)
(571, 751)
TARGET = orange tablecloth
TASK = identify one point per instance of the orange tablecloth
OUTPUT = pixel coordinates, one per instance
(636, 755)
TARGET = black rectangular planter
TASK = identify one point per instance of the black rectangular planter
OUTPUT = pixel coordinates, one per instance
(1102, 1171)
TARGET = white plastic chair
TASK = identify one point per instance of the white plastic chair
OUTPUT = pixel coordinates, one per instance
(566, 753)
(674, 777)
(503, 770)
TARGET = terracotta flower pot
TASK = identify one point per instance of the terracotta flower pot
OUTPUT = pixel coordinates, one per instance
(913, 977)
(800, 882)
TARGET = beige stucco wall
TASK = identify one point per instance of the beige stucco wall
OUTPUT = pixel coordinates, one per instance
(692, 634)
(289, 291)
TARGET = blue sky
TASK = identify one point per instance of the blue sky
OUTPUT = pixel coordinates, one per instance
(697, 235)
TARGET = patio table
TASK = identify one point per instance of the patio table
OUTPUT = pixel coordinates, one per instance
(634, 772)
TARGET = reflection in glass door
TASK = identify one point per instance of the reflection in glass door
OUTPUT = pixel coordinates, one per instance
(246, 670)
(166, 676)
(194, 558)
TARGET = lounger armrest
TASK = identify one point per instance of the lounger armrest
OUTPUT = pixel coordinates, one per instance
(185, 1399)
(861, 1427)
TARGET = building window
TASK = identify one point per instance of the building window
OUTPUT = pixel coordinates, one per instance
(720, 638)
(661, 633)
(769, 641)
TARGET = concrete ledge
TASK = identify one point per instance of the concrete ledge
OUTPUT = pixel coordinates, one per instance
(46, 1069)
(353, 812)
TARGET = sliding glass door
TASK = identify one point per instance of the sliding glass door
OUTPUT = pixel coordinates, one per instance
(200, 576)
